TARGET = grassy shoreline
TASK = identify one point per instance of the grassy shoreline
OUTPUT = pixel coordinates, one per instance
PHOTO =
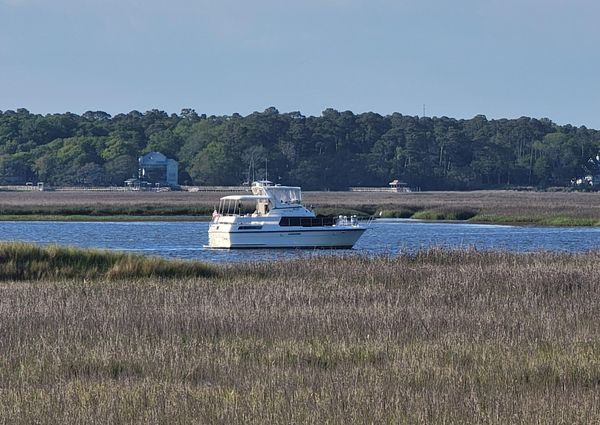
(466, 216)
(433, 337)
(101, 218)
(26, 261)
(498, 207)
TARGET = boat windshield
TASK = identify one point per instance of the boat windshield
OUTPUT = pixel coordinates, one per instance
(284, 195)
(240, 204)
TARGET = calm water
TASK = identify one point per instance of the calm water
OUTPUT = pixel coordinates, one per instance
(186, 240)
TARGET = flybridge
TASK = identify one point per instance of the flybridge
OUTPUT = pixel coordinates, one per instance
(281, 195)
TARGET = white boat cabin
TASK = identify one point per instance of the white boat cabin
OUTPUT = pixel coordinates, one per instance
(266, 200)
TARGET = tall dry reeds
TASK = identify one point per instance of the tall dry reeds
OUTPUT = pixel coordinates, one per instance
(433, 337)
(554, 208)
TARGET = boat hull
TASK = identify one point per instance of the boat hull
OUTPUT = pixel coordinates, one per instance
(334, 238)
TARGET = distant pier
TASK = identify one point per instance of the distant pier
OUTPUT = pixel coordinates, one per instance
(394, 186)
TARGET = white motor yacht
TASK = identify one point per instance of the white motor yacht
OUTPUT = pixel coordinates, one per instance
(279, 220)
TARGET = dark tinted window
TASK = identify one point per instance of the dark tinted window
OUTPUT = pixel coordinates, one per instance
(307, 221)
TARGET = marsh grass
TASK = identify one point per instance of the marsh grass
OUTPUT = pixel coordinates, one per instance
(538, 208)
(558, 220)
(23, 261)
(105, 211)
(549, 208)
(328, 211)
(103, 218)
(390, 211)
(432, 337)
(453, 213)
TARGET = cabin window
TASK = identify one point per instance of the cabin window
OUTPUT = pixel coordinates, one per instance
(306, 221)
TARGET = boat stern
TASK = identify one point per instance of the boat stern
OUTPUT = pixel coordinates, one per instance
(219, 235)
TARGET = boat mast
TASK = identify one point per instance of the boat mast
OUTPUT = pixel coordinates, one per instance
(251, 170)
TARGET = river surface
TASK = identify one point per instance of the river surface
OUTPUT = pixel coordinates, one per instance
(187, 240)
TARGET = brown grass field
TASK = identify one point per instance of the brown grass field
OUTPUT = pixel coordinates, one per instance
(499, 206)
(493, 202)
(438, 337)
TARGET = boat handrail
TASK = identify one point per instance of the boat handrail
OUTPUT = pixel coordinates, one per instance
(353, 221)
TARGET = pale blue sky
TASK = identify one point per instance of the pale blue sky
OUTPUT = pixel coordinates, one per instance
(500, 58)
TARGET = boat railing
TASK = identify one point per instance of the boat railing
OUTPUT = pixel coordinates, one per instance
(353, 221)
(368, 221)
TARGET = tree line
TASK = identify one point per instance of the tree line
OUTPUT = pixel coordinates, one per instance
(332, 151)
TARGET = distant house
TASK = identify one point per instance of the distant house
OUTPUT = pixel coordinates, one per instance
(156, 168)
(593, 177)
(589, 180)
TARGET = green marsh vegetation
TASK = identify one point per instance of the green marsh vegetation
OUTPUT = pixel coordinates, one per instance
(24, 261)
(78, 205)
(514, 207)
(519, 207)
(433, 337)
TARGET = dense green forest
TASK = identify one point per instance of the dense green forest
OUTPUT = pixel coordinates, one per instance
(333, 151)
